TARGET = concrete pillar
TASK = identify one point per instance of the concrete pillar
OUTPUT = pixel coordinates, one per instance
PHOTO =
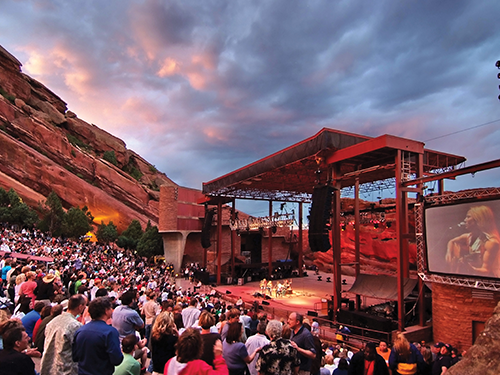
(173, 245)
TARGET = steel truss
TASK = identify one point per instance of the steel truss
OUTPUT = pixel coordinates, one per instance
(270, 195)
(493, 285)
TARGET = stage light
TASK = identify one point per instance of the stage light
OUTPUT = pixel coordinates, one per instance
(497, 64)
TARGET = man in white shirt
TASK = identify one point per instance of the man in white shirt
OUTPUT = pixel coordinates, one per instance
(259, 340)
(190, 314)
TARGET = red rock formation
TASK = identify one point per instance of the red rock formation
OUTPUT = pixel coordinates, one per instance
(45, 147)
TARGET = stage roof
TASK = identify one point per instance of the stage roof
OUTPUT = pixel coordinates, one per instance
(290, 174)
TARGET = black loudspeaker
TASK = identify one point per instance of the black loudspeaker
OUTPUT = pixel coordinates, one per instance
(228, 292)
(265, 303)
(207, 226)
(319, 219)
(312, 313)
(267, 297)
(257, 294)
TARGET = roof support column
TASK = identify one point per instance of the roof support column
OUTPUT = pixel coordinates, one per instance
(301, 234)
(421, 294)
(335, 220)
(233, 238)
(356, 237)
(219, 241)
(401, 211)
(270, 242)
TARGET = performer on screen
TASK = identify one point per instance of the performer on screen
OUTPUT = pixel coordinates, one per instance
(476, 252)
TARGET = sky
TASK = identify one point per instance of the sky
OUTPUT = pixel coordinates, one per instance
(201, 88)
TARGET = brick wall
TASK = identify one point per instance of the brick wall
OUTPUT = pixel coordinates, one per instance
(168, 208)
(454, 311)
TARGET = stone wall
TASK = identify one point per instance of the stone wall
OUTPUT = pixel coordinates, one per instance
(457, 309)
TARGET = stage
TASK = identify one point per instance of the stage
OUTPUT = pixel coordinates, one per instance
(308, 294)
(309, 297)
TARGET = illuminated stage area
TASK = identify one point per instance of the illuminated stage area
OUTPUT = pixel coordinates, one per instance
(307, 294)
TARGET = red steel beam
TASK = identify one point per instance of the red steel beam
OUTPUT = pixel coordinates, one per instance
(457, 172)
(384, 141)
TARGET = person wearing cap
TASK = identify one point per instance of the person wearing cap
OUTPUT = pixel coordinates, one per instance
(59, 333)
(435, 349)
(443, 361)
(45, 290)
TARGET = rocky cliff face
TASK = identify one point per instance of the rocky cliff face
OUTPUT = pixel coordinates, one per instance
(45, 147)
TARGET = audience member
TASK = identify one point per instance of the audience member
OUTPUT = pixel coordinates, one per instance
(188, 355)
(164, 337)
(59, 334)
(12, 359)
(303, 341)
(208, 338)
(129, 365)
(256, 341)
(367, 361)
(235, 352)
(96, 345)
(278, 357)
(405, 358)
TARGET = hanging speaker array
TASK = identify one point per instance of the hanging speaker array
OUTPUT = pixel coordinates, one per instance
(319, 218)
(207, 226)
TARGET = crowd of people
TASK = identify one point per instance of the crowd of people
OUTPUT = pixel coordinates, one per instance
(96, 309)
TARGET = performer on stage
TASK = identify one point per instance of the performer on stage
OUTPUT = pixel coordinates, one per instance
(476, 252)
(279, 289)
(263, 284)
(270, 288)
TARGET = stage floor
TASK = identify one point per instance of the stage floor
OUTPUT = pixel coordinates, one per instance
(308, 294)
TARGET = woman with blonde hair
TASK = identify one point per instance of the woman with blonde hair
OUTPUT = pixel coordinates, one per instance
(476, 252)
(405, 358)
(20, 279)
(164, 336)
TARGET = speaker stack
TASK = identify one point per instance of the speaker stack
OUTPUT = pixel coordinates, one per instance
(207, 226)
(319, 219)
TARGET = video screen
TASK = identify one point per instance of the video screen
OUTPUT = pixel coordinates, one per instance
(462, 239)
